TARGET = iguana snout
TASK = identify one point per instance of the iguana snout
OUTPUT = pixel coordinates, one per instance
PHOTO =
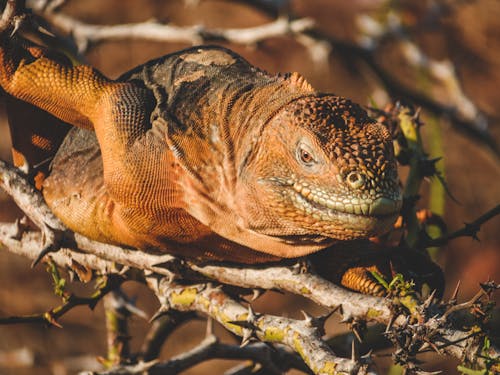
(325, 168)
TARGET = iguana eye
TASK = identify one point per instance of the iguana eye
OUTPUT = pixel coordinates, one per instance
(305, 155)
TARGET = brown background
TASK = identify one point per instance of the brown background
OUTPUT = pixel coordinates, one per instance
(469, 37)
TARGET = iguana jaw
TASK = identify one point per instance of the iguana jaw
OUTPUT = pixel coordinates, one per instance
(334, 214)
(331, 205)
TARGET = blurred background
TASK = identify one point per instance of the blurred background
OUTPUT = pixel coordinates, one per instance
(443, 56)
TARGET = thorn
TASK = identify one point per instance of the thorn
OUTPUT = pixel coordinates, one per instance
(455, 293)
(356, 333)
(245, 339)
(435, 348)
(17, 22)
(389, 324)
(308, 319)
(216, 288)
(210, 327)
(248, 326)
(71, 274)
(251, 316)
(51, 321)
(134, 310)
(472, 230)
(367, 355)
(159, 313)
(416, 114)
(257, 367)
(346, 318)
(46, 250)
(124, 270)
(170, 264)
(296, 268)
(19, 229)
(429, 300)
(256, 293)
(323, 318)
(424, 346)
(43, 30)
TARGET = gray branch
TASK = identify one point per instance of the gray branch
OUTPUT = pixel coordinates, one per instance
(301, 336)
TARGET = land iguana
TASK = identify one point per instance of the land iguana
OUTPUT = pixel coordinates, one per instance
(200, 154)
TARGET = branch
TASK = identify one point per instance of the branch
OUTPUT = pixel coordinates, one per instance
(84, 34)
(50, 317)
(106, 258)
(469, 229)
(354, 305)
(117, 309)
(212, 348)
(303, 336)
(160, 330)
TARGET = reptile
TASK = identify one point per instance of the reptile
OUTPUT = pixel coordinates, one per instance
(200, 154)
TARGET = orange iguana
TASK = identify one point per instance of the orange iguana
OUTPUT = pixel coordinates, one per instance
(200, 154)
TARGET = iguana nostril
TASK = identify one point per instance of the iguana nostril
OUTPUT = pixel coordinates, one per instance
(355, 180)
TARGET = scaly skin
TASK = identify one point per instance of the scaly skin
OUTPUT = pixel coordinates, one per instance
(200, 154)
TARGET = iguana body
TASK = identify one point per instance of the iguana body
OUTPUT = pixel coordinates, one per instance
(201, 154)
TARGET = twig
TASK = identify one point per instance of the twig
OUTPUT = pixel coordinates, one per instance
(116, 329)
(85, 34)
(160, 330)
(211, 348)
(50, 317)
(469, 229)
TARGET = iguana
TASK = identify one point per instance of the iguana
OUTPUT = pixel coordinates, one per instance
(200, 154)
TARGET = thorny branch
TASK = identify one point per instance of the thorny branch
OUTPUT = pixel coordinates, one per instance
(103, 259)
(469, 229)
(84, 34)
(274, 360)
(69, 302)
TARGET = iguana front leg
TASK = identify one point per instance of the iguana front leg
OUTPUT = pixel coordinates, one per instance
(118, 112)
(136, 186)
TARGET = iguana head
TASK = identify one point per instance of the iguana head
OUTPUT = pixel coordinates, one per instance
(323, 168)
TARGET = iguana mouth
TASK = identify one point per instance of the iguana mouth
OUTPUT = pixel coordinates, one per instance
(379, 206)
(319, 203)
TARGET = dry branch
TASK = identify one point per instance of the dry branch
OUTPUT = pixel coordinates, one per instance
(85, 34)
(206, 298)
(211, 348)
(303, 336)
